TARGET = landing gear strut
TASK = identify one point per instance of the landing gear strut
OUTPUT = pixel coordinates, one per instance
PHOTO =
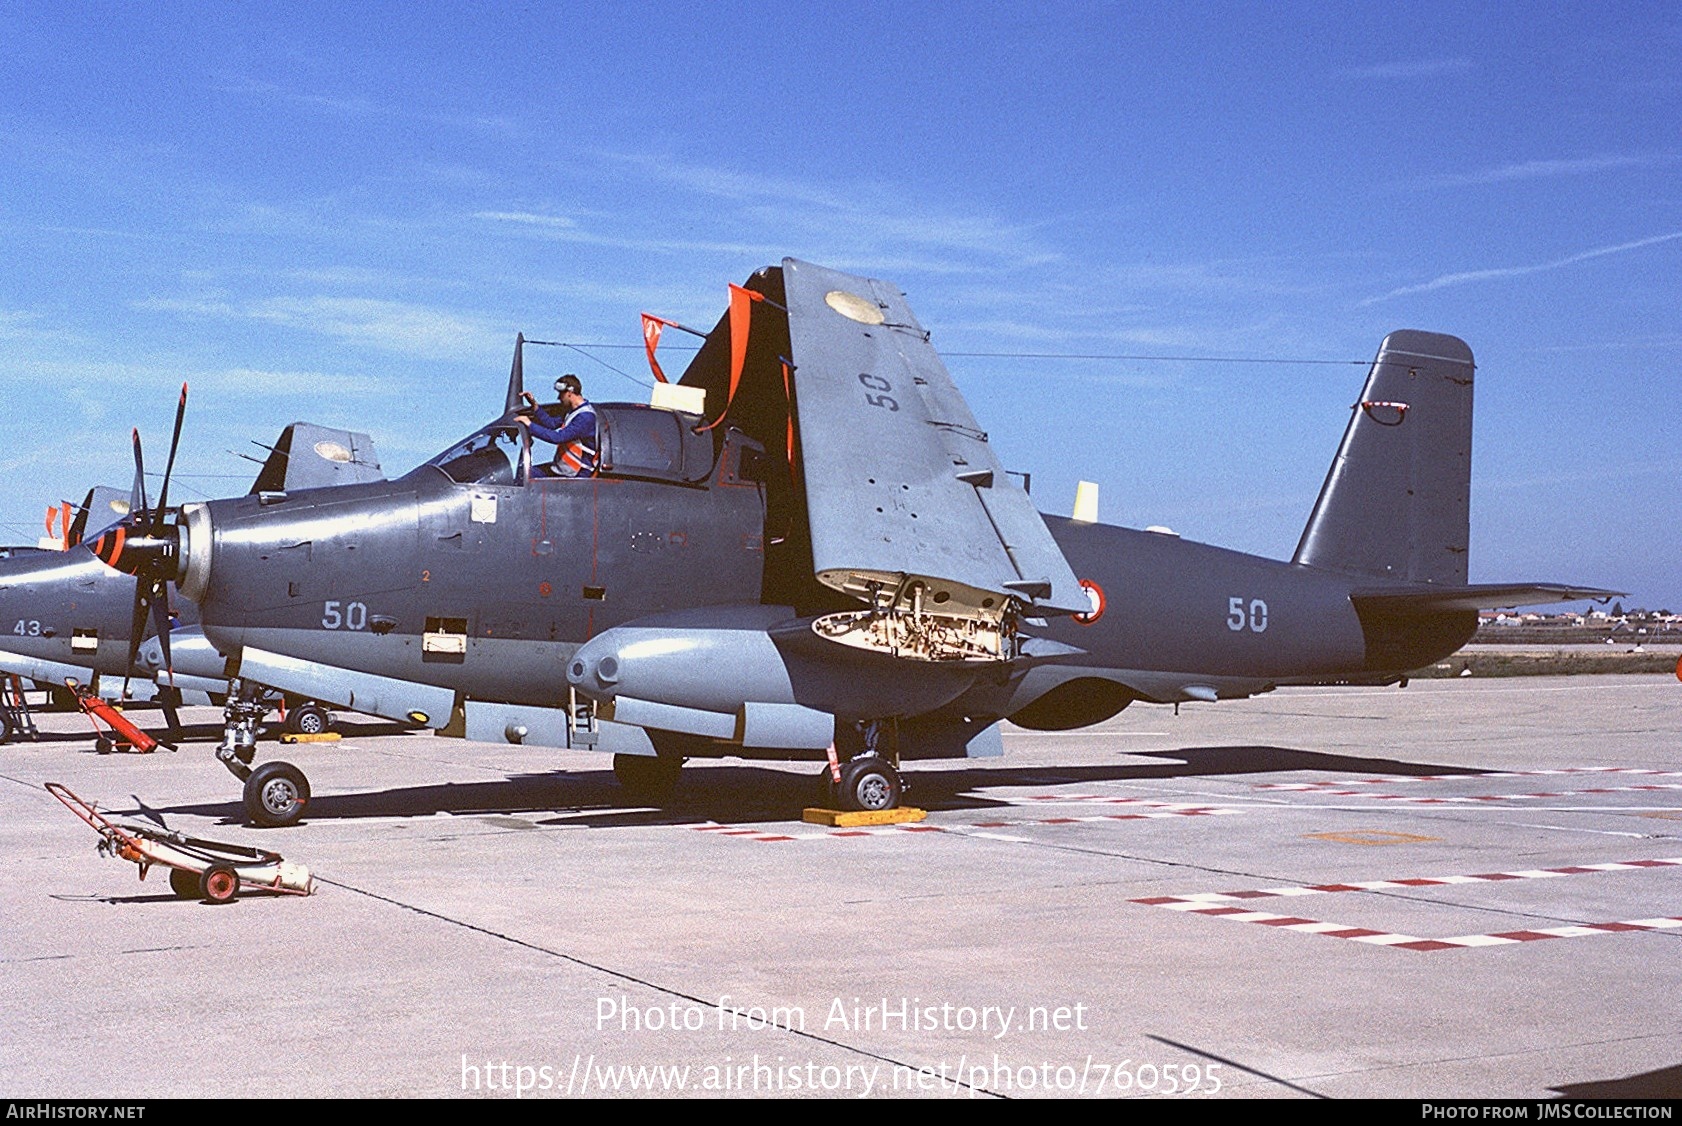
(240, 717)
(276, 792)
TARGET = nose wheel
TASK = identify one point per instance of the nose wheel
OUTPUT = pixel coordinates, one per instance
(275, 795)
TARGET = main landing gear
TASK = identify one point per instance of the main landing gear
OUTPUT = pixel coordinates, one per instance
(308, 718)
(869, 780)
(868, 784)
(276, 792)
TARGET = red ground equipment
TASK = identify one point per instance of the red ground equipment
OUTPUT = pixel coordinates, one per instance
(198, 869)
(122, 733)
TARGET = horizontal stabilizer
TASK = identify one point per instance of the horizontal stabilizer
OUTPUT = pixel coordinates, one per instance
(1478, 596)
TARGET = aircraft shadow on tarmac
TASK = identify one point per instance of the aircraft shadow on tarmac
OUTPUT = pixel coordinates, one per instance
(1665, 1083)
(210, 733)
(747, 793)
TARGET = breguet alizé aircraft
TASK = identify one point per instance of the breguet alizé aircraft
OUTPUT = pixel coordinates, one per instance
(823, 558)
(66, 617)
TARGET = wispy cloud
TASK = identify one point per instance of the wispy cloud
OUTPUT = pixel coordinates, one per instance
(1549, 169)
(863, 220)
(391, 326)
(80, 375)
(529, 218)
(1661, 467)
(1409, 68)
(17, 322)
(360, 107)
(1463, 277)
(561, 229)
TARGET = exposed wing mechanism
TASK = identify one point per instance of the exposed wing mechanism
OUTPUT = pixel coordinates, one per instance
(911, 511)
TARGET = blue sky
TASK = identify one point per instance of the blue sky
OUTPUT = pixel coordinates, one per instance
(345, 212)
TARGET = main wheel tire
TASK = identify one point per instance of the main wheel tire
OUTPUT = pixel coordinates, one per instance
(869, 784)
(647, 778)
(309, 719)
(276, 794)
(185, 884)
(219, 884)
(5, 728)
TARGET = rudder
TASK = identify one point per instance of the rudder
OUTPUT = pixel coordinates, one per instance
(1397, 500)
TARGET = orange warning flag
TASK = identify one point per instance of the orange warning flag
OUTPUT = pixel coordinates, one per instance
(651, 326)
(741, 319)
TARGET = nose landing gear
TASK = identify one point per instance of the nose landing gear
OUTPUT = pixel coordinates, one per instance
(276, 792)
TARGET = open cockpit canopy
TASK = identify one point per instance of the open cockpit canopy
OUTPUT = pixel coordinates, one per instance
(634, 440)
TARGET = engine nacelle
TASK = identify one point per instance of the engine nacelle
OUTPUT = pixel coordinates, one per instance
(755, 675)
(190, 654)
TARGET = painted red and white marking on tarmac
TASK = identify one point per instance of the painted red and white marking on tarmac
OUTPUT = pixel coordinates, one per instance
(1151, 811)
(1220, 905)
(749, 833)
(1463, 799)
(1478, 776)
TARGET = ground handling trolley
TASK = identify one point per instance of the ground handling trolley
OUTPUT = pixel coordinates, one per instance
(198, 869)
(122, 733)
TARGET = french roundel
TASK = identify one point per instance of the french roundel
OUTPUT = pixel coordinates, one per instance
(1094, 595)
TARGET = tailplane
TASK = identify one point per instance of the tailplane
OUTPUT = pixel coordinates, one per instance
(1396, 502)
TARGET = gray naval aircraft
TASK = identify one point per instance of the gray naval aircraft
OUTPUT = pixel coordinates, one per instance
(67, 618)
(824, 560)
(64, 616)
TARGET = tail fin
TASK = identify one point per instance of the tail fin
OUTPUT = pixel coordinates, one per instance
(308, 456)
(1396, 502)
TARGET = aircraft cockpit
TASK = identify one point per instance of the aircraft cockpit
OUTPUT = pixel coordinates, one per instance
(634, 440)
(492, 455)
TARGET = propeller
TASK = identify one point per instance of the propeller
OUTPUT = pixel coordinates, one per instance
(145, 546)
(516, 376)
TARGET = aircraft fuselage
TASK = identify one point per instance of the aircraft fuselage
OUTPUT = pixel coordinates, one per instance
(376, 577)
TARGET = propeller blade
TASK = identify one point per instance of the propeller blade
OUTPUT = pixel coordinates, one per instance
(137, 625)
(166, 691)
(169, 467)
(161, 623)
(517, 375)
(137, 495)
